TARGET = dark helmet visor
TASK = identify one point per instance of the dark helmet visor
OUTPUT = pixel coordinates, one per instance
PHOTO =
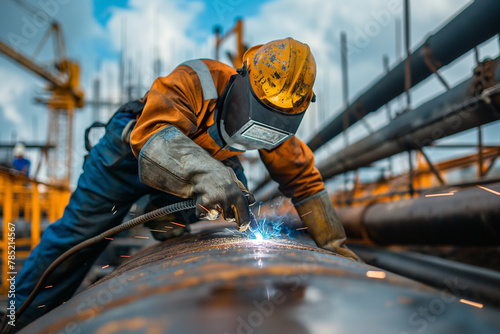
(247, 123)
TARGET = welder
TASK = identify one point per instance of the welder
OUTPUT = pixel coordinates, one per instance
(181, 141)
(20, 163)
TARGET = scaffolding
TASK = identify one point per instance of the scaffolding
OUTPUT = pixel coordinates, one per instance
(32, 200)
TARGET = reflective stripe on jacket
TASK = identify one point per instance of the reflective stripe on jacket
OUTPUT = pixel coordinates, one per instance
(180, 99)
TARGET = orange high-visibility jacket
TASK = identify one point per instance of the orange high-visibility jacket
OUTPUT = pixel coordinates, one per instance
(178, 100)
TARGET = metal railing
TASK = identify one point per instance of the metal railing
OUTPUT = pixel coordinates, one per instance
(424, 179)
(32, 200)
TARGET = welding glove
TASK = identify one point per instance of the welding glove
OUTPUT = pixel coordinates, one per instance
(323, 224)
(173, 163)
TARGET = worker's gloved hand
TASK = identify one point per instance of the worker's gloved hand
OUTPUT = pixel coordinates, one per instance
(173, 163)
(323, 224)
(220, 192)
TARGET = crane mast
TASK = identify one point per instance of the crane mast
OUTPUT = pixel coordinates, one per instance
(65, 94)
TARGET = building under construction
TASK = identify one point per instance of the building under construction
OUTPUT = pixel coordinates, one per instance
(412, 173)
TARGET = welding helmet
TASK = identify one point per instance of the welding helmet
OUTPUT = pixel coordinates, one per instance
(268, 98)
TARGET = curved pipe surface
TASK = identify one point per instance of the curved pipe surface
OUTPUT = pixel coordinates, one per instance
(219, 281)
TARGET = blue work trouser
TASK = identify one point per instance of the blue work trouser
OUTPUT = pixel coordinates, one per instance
(106, 190)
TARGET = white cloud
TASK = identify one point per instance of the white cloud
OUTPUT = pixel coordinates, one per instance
(11, 91)
(156, 24)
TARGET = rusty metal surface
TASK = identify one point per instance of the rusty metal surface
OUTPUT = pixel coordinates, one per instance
(218, 281)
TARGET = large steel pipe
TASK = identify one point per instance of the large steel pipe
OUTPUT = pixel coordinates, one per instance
(217, 282)
(474, 25)
(452, 112)
(470, 217)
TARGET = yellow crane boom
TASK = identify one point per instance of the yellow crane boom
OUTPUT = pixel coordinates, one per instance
(65, 96)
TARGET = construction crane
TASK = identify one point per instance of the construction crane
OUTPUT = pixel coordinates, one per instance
(237, 30)
(65, 94)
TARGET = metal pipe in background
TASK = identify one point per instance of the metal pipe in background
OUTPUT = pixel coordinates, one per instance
(473, 26)
(446, 45)
(216, 282)
(472, 282)
(345, 80)
(408, 82)
(469, 217)
(454, 111)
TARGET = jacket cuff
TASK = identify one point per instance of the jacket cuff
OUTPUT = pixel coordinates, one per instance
(167, 132)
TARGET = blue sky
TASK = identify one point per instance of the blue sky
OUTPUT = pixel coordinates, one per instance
(176, 30)
(216, 12)
(221, 13)
(102, 9)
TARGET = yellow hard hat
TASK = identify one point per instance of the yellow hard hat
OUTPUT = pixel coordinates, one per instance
(282, 74)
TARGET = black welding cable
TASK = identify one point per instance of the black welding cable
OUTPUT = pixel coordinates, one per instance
(180, 206)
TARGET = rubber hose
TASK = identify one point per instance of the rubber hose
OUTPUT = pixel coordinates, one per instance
(176, 207)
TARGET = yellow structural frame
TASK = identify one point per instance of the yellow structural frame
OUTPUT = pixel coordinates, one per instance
(35, 198)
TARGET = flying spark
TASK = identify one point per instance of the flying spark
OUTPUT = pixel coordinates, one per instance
(468, 302)
(140, 237)
(267, 289)
(302, 228)
(48, 286)
(490, 190)
(268, 226)
(104, 267)
(305, 214)
(124, 255)
(109, 238)
(443, 194)
(178, 224)
(375, 274)
(204, 208)
(113, 208)
(40, 306)
(266, 230)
